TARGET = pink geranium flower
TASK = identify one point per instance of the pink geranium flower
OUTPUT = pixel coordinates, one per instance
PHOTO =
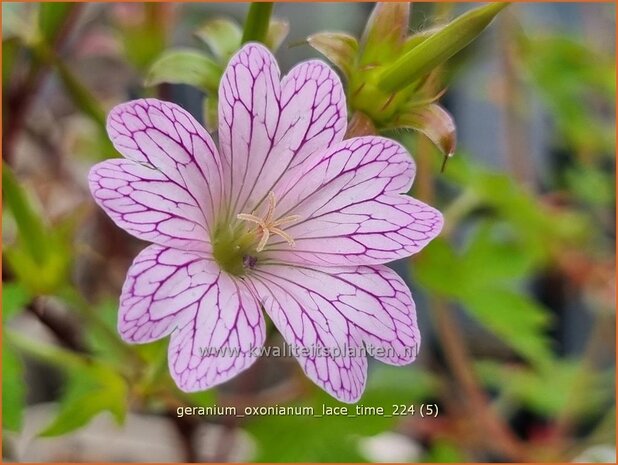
(286, 217)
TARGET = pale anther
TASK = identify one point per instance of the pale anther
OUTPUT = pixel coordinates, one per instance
(267, 225)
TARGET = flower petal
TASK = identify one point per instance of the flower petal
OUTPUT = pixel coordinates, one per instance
(307, 320)
(167, 138)
(215, 323)
(146, 203)
(265, 126)
(343, 310)
(353, 206)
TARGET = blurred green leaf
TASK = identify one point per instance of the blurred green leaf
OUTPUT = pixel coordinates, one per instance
(185, 66)
(40, 257)
(222, 36)
(540, 228)
(550, 389)
(93, 386)
(574, 80)
(593, 186)
(14, 298)
(50, 354)
(81, 96)
(496, 252)
(483, 277)
(515, 318)
(444, 451)
(89, 393)
(13, 387)
(31, 228)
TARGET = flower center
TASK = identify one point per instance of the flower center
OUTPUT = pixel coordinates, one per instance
(234, 247)
(267, 224)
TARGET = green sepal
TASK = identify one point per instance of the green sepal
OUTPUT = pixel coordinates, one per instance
(434, 122)
(341, 49)
(385, 33)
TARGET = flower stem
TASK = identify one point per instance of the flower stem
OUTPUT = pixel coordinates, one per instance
(257, 22)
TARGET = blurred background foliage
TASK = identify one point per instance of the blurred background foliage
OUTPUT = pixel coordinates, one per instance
(516, 298)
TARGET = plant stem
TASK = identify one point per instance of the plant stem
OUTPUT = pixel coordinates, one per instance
(497, 435)
(62, 328)
(257, 22)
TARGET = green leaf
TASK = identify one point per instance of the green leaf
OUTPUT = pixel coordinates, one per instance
(540, 228)
(434, 122)
(438, 48)
(14, 298)
(29, 224)
(444, 451)
(93, 385)
(39, 258)
(481, 277)
(340, 49)
(222, 36)
(89, 393)
(185, 66)
(593, 186)
(516, 319)
(572, 80)
(13, 388)
(496, 254)
(550, 389)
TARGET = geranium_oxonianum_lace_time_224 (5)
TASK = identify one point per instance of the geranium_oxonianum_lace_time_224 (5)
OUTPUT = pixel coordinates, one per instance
(285, 217)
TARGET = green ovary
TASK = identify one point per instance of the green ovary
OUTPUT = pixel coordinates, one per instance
(232, 247)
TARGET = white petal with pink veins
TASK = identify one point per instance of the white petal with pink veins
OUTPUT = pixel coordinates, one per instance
(167, 138)
(215, 323)
(267, 126)
(353, 208)
(144, 202)
(340, 308)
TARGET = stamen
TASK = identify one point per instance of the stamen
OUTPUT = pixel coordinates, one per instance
(267, 225)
